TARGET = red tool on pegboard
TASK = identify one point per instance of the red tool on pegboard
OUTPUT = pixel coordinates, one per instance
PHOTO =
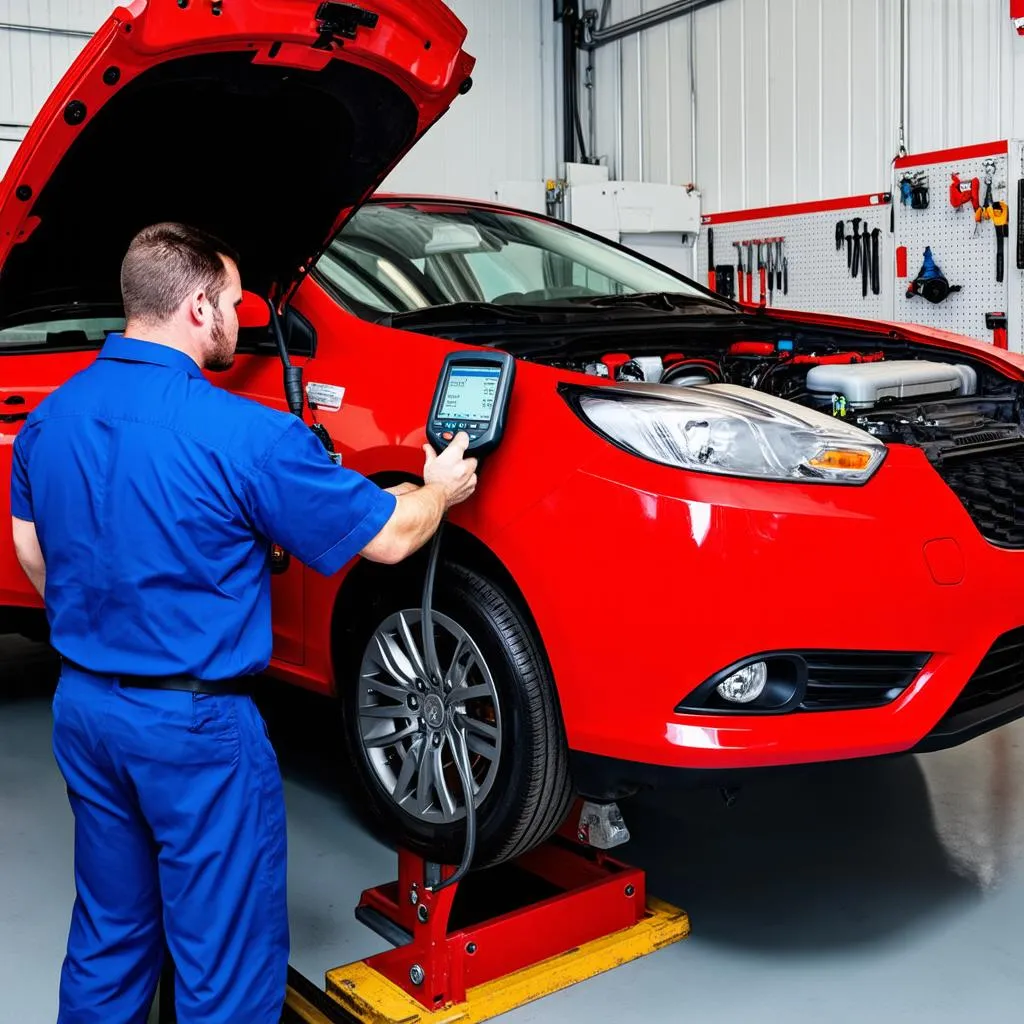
(996, 323)
(1017, 14)
(962, 192)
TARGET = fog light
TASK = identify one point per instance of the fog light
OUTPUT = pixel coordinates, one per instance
(746, 684)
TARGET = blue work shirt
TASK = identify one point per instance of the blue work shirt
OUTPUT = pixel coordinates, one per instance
(156, 496)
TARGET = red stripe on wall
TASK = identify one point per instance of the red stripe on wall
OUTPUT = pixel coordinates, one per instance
(942, 156)
(793, 209)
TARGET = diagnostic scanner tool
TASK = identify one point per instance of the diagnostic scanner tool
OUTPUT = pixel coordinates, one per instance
(472, 395)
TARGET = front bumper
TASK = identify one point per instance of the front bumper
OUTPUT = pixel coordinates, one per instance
(666, 577)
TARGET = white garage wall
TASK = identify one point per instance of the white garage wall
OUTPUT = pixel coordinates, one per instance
(503, 129)
(799, 99)
(493, 134)
(38, 42)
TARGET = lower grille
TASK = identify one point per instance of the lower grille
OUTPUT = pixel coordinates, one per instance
(1000, 674)
(817, 680)
(991, 488)
(846, 680)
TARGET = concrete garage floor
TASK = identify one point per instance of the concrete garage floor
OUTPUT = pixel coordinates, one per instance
(885, 891)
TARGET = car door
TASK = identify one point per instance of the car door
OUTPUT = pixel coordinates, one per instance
(36, 357)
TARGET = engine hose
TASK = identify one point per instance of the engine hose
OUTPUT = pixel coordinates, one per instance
(460, 749)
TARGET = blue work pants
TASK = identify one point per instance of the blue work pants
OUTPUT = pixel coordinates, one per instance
(179, 838)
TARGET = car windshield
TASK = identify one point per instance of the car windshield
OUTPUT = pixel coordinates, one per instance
(394, 258)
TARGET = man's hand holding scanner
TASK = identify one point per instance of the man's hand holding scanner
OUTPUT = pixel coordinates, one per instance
(451, 470)
(448, 479)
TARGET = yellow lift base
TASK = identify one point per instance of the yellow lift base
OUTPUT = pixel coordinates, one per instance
(367, 996)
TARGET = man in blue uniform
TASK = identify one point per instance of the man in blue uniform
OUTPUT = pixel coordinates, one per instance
(144, 502)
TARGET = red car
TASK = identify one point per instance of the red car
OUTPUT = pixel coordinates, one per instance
(715, 538)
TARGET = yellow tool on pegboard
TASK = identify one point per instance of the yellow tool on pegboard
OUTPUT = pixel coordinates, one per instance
(1000, 217)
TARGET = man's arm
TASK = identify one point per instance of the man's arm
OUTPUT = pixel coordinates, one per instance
(449, 479)
(30, 555)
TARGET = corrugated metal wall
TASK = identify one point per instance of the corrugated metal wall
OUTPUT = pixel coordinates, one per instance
(38, 41)
(503, 130)
(493, 134)
(799, 99)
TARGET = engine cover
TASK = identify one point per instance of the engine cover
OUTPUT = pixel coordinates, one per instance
(864, 385)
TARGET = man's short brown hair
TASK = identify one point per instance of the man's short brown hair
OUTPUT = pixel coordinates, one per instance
(167, 262)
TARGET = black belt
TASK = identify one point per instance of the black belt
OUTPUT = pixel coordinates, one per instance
(187, 683)
(240, 685)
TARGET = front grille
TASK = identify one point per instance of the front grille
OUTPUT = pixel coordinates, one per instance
(991, 488)
(846, 680)
(1000, 674)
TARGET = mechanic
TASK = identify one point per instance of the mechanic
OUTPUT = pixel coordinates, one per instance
(144, 502)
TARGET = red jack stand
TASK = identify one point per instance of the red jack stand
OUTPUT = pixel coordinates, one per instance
(499, 938)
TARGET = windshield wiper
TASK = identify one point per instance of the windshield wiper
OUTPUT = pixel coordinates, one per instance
(463, 313)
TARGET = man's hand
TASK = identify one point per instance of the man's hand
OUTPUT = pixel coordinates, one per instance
(451, 470)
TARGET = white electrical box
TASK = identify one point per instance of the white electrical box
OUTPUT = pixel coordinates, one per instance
(661, 222)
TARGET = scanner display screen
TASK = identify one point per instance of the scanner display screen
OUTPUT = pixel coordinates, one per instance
(470, 393)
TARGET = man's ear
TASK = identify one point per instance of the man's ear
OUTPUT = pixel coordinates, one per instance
(199, 307)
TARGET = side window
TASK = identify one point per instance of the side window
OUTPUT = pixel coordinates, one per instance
(89, 332)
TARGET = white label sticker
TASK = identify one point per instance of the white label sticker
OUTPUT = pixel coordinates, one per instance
(324, 396)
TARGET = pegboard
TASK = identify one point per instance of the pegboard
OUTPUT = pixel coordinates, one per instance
(819, 277)
(964, 250)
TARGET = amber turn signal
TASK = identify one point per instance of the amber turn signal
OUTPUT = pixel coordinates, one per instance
(841, 458)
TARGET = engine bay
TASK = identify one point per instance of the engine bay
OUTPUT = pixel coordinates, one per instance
(898, 392)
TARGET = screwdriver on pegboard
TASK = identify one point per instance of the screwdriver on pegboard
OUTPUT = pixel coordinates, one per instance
(1020, 220)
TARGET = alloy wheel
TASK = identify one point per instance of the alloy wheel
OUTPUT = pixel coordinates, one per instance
(409, 723)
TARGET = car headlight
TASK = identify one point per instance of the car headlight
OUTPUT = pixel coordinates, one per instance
(729, 430)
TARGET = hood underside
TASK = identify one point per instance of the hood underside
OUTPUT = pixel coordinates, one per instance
(265, 157)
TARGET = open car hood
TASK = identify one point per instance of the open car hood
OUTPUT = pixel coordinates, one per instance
(264, 121)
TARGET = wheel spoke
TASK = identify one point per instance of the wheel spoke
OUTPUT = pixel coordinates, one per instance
(478, 745)
(391, 738)
(454, 738)
(463, 693)
(456, 674)
(400, 693)
(410, 646)
(394, 661)
(425, 782)
(481, 738)
(387, 711)
(475, 726)
(403, 787)
(441, 784)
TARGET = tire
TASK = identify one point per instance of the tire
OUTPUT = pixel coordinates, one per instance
(513, 724)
